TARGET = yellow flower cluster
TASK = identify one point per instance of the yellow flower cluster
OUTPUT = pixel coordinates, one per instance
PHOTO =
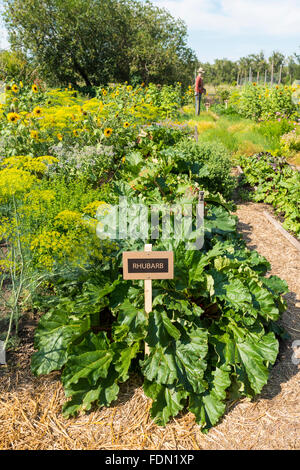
(46, 245)
(14, 180)
(67, 219)
(93, 207)
(38, 195)
(26, 162)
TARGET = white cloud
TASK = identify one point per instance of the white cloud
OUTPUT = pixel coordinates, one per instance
(3, 38)
(267, 17)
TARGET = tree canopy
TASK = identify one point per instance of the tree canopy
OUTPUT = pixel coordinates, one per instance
(96, 41)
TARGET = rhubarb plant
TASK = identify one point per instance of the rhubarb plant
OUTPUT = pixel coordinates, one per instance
(212, 333)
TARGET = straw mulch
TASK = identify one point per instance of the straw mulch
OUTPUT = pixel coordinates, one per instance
(30, 408)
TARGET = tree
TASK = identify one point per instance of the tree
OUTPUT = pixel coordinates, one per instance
(158, 51)
(94, 41)
(14, 66)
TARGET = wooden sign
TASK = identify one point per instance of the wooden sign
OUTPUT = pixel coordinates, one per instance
(148, 265)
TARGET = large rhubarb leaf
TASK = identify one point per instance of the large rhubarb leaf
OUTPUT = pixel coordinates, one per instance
(160, 365)
(210, 406)
(182, 361)
(168, 400)
(92, 371)
(83, 394)
(263, 301)
(90, 360)
(134, 319)
(256, 356)
(55, 333)
(123, 355)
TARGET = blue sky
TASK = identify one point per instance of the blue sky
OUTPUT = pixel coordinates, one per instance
(235, 28)
(232, 28)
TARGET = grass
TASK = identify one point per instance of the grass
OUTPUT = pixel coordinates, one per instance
(240, 136)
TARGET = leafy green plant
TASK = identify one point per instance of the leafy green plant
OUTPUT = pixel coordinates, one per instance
(211, 333)
(208, 163)
(260, 101)
(275, 183)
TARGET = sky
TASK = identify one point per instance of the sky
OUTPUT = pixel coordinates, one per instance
(235, 28)
(232, 28)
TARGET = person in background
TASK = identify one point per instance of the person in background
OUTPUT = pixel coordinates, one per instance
(199, 90)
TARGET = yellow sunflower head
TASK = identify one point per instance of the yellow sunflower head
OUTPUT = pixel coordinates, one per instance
(34, 134)
(37, 111)
(13, 117)
(14, 88)
(104, 92)
(126, 124)
(108, 132)
(59, 136)
(129, 88)
(34, 88)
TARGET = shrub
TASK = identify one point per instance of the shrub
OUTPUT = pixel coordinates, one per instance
(261, 101)
(208, 162)
(277, 184)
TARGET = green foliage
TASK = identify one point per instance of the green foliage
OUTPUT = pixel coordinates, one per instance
(264, 102)
(210, 331)
(277, 184)
(14, 66)
(209, 164)
(131, 41)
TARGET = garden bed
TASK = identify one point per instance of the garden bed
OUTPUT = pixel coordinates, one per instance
(31, 416)
(213, 333)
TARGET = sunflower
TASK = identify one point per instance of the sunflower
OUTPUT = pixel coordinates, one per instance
(108, 132)
(34, 88)
(13, 117)
(126, 124)
(34, 134)
(129, 88)
(59, 136)
(37, 111)
(8, 87)
(76, 132)
(14, 88)
(104, 92)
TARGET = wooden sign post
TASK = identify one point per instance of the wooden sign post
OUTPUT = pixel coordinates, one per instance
(148, 265)
(148, 294)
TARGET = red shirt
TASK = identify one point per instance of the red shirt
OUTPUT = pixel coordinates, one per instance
(199, 84)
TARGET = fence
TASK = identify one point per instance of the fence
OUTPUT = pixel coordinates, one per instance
(267, 76)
